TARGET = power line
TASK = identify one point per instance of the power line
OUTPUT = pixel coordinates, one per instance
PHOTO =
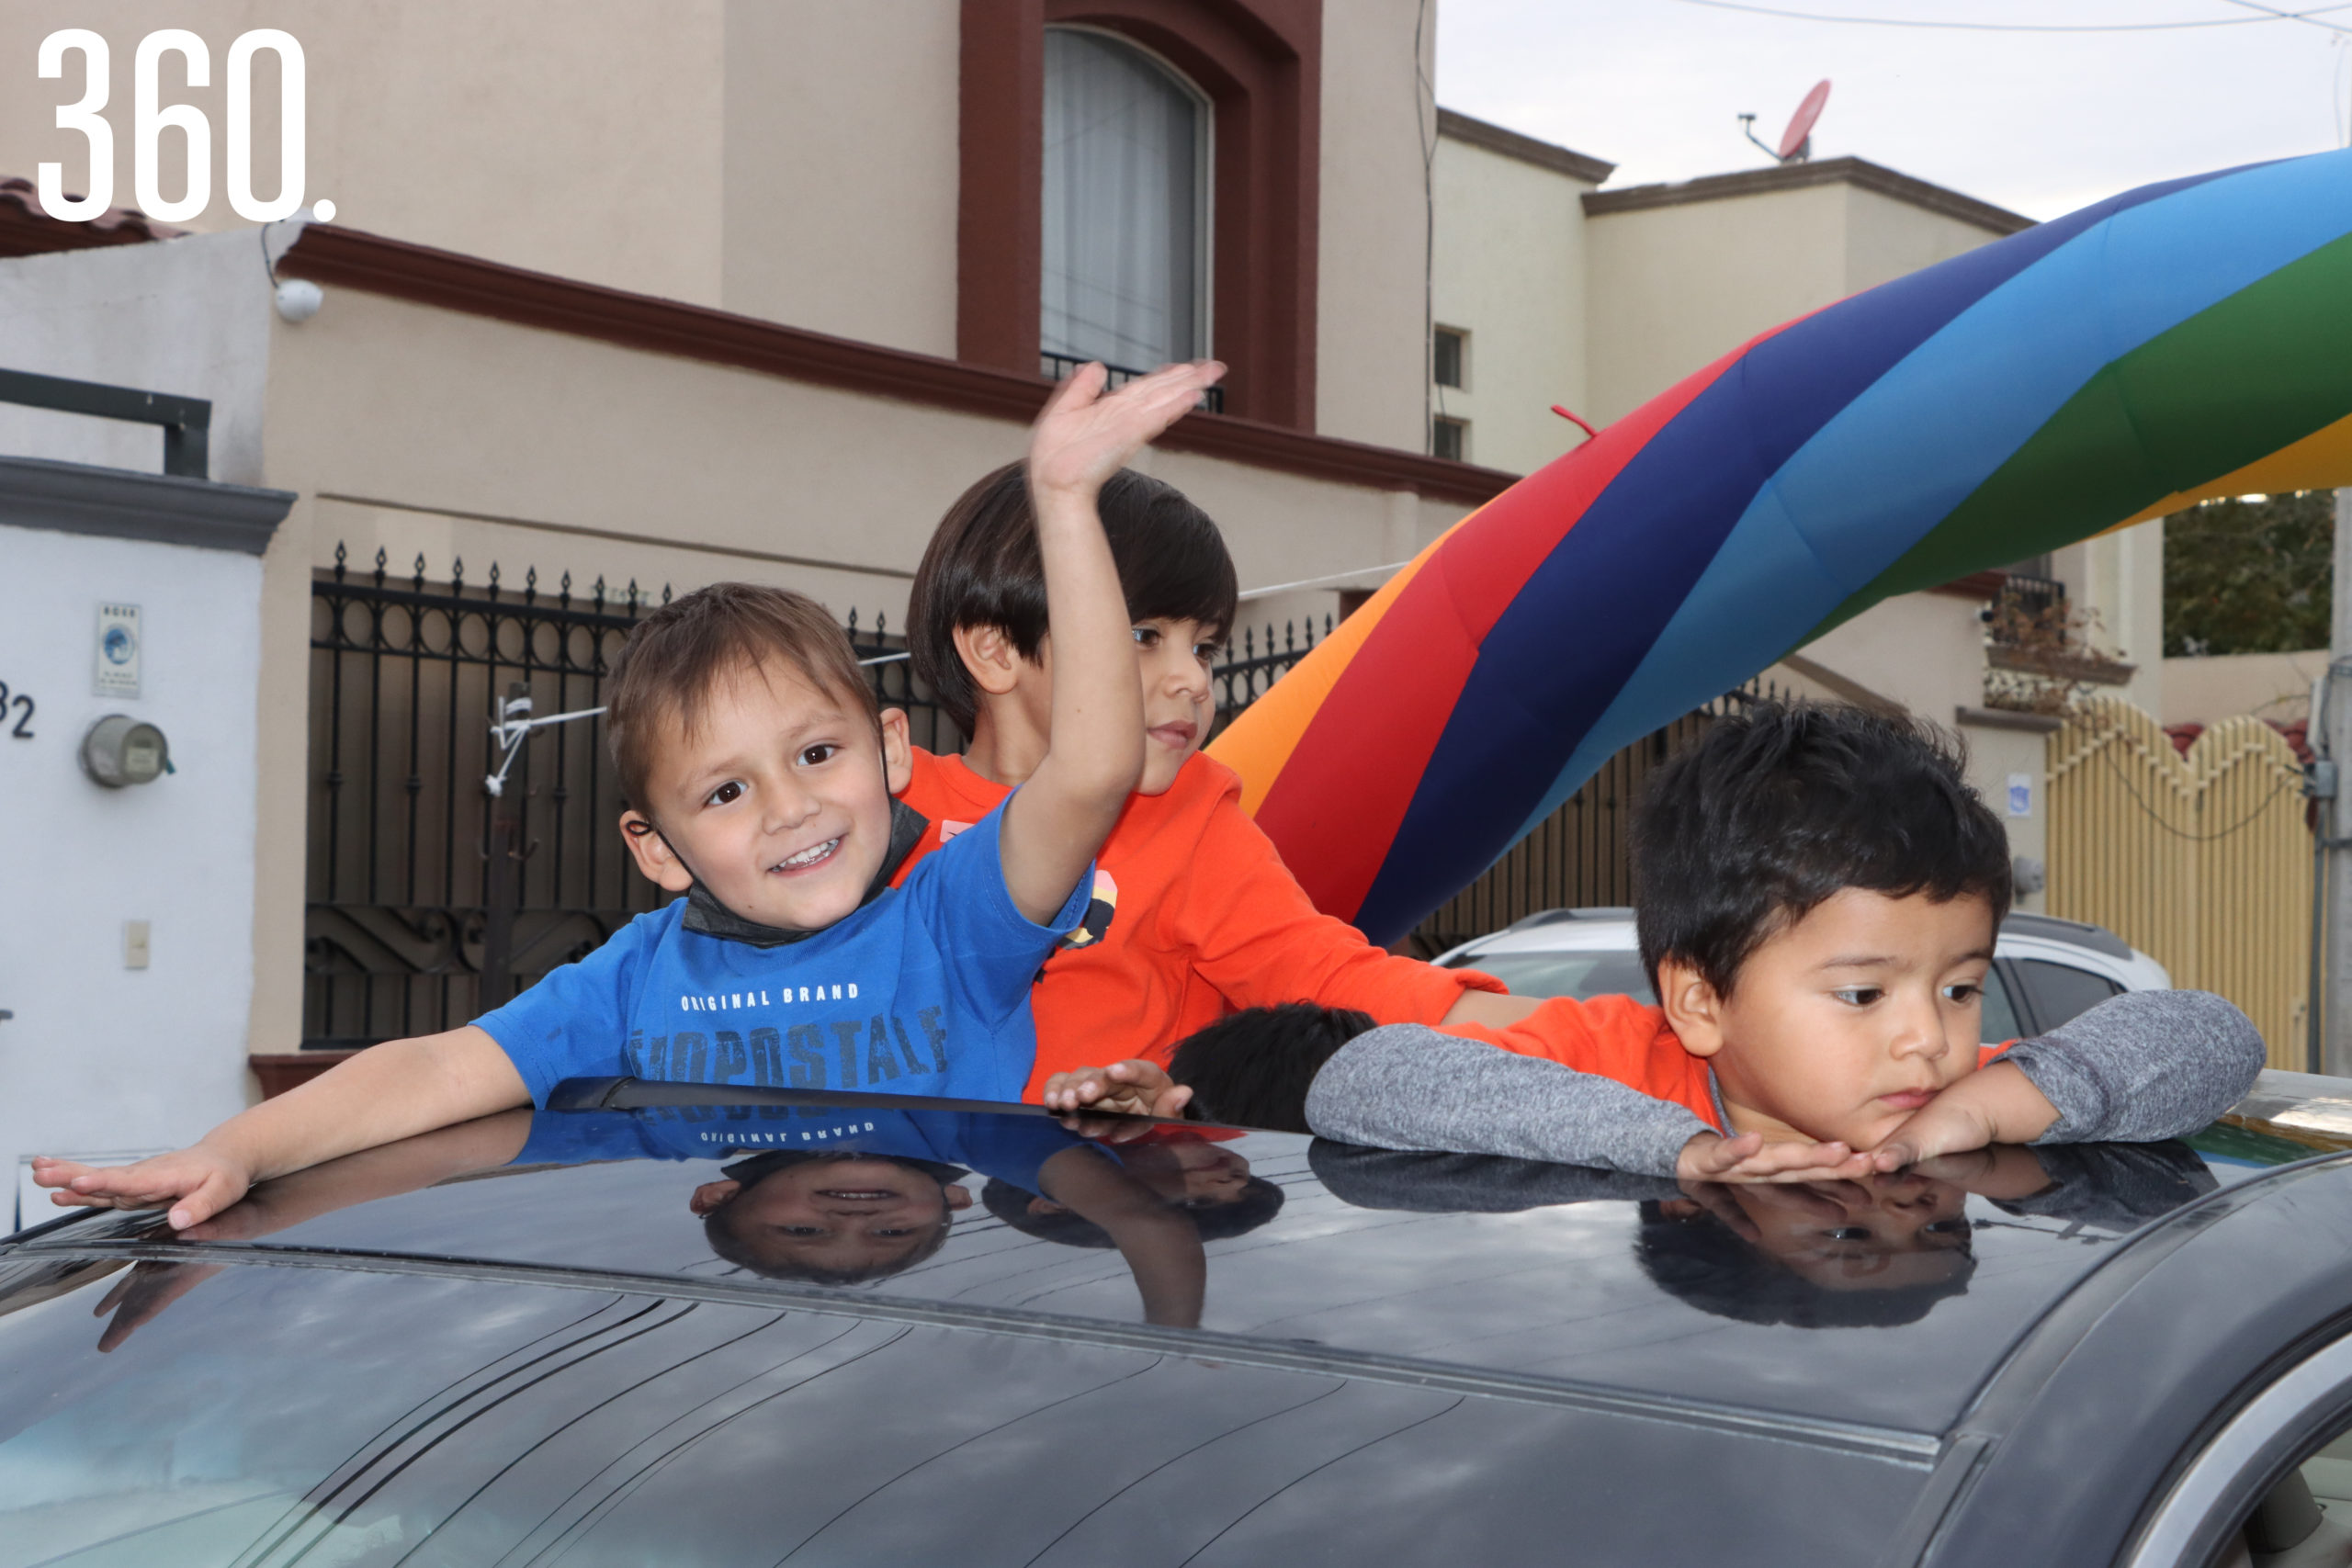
(2268, 15)
(2274, 14)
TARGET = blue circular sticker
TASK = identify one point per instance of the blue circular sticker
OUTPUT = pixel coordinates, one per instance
(119, 646)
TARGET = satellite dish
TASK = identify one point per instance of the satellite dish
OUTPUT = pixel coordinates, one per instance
(1796, 143)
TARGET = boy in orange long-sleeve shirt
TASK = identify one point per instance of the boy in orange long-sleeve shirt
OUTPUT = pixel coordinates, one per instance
(1195, 915)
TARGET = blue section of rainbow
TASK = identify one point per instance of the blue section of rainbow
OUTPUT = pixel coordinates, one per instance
(1778, 491)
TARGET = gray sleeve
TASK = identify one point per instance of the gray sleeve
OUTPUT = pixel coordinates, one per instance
(1406, 1086)
(2144, 1066)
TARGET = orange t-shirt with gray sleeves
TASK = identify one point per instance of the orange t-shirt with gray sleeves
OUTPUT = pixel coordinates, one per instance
(1622, 1038)
(1194, 915)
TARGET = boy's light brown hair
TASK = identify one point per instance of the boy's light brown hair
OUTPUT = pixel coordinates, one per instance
(666, 672)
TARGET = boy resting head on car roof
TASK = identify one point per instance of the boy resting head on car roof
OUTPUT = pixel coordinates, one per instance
(759, 772)
(1817, 889)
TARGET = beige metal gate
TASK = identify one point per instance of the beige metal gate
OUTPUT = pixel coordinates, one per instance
(2202, 862)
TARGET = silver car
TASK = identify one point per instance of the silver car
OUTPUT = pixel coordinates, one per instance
(2045, 970)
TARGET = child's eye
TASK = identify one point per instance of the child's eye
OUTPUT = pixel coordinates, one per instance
(1850, 1233)
(1147, 637)
(726, 794)
(1964, 993)
(1858, 995)
(1208, 652)
(810, 756)
(803, 1232)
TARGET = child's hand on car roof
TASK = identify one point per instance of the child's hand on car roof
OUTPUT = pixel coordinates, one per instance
(1134, 1088)
(194, 1183)
(1086, 433)
(1710, 1157)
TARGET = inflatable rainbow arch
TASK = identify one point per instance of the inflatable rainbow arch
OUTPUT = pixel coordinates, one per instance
(2184, 340)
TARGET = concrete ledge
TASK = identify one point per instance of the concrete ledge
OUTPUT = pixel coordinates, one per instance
(2067, 666)
(2008, 718)
(73, 498)
(1859, 173)
(1459, 127)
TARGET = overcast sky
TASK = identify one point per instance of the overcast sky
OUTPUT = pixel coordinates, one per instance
(2041, 122)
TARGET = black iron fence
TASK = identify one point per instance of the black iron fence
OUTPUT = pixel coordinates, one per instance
(430, 897)
(433, 898)
(1254, 662)
(1576, 857)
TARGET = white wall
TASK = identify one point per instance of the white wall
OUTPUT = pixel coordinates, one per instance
(2276, 686)
(101, 1057)
(191, 318)
(2119, 579)
(1371, 337)
(1510, 272)
(580, 138)
(842, 168)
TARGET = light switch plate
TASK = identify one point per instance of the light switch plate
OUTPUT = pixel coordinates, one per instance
(134, 944)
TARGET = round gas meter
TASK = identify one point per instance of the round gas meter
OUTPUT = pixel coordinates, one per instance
(121, 751)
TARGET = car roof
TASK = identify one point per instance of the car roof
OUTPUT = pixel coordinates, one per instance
(1507, 1278)
(1612, 927)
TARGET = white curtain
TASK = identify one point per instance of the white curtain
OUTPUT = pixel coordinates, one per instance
(1124, 205)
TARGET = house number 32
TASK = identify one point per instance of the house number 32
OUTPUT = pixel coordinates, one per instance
(23, 707)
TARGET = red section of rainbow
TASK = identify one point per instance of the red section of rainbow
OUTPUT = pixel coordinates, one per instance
(1358, 760)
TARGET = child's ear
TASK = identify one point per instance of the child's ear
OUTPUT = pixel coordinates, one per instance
(897, 756)
(958, 1198)
(712, 1196)
(990, 658)
(1693, 1008)
(654, 855)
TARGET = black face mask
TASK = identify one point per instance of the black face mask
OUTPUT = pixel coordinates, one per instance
(707, 915)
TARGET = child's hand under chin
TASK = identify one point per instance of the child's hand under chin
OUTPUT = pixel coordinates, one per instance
(1997, 1104)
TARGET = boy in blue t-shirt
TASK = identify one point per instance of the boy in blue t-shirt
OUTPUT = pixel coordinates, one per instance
(761, 776)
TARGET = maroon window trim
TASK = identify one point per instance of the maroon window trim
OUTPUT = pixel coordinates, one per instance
(1261, 63)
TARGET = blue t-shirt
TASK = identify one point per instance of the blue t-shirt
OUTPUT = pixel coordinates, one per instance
(1011, 1148)
(924, 991)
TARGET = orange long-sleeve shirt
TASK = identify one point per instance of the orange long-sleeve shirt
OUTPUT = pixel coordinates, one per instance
(1617, 1037)
(1205, 919)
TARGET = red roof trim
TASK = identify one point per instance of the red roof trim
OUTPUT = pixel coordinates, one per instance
(26, 231)
(351, 258)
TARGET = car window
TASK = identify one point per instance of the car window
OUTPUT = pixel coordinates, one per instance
(2232, 1508)
(2059, 993)
(2000, 1024)
(1610, 972)
(2302, 1519)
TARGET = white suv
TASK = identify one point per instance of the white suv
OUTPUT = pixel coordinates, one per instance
(2045, 970)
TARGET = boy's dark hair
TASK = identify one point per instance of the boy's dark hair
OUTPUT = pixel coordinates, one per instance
(1780, 806)
(982, 568)
(666, 669)
(1699, 1260)
(1253, 1069)
(1260, 1201)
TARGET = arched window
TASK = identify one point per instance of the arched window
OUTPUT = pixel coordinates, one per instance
(1124, 272)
